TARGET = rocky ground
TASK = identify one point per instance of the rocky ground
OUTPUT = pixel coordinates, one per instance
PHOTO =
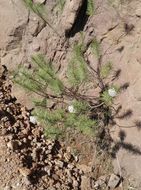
(27, 160)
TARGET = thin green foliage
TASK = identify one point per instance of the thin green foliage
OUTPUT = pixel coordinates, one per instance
(81, 106)
(40, 102)
(48, 117)
(53, 132)
(43, 79)
(77, 71)
(90, 7)
(86, 125)
(37, 8)
(61, 120)
(95, 47)
(46, 74)
(50, 120)
(81, 122)
(40, 10)
(106, 98)
(25, 79)
(106, 70)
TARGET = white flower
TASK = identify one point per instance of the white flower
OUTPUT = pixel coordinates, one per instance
(112, 92)
(33, 119)
(71, 109)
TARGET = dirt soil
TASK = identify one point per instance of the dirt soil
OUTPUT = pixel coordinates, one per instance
(117, 26)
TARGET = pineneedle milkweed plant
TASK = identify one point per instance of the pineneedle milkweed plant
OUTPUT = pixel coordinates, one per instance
(62, 104)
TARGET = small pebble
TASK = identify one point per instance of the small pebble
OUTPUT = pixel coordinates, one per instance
(33, 119)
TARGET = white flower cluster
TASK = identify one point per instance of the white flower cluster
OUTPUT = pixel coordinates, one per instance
(112, 92)
(71, 109)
